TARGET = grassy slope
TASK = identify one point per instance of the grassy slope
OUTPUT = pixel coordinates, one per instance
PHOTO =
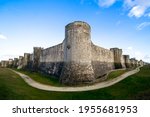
(115, 74)
(44, 79)
(134, 87)
(50, 80)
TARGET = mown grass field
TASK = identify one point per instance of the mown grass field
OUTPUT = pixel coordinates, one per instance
(115, 74)
(51, 80)
(42, 78)
(137, 86)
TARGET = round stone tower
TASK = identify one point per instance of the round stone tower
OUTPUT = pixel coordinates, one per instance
(77, 54)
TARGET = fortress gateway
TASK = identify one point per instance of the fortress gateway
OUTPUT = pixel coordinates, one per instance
(76, 60)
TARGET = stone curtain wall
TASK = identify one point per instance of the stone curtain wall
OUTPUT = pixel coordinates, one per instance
(26, 60)
(123, 62)
(36, 57)
(102, 61)
(51, 60)
(4, 63)
(20, 62)
(76, 60)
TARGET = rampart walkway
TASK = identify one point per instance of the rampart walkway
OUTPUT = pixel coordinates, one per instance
(100, 85)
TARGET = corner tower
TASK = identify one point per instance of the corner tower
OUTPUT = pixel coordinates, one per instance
(77, 54)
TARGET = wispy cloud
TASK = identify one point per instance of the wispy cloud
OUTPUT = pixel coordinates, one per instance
(147, 57)
(135, 8)
(3, 37)
(143, 25)
(129, 3)
(133, 53)
(137, 11)
(130, 48)
(106, 3)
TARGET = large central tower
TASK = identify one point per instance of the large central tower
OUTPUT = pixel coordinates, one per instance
(77, 54)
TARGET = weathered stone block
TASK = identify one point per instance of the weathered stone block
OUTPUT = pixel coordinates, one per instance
(77, 73)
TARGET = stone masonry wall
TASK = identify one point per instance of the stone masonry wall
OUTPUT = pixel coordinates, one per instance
(102, 60)
(76, 60)
(4, 63)
(26, 60)
(123, 62)
(77, 66)
(20, 62)
(51, 60)
(127, 61)
(117, 57)
(15, 62)
(36, 58)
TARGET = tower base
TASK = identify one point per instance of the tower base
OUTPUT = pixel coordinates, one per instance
(74, 73)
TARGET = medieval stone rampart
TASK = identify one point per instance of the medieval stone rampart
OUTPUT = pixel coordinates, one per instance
(15, 62)
(51, 60)
(102, 61)
(127, 61)
(4, 63)
(26, 60)
(76, 60)
(123, 64)
(20, 62)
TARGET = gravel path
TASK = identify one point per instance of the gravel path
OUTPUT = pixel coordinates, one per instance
(100, 85)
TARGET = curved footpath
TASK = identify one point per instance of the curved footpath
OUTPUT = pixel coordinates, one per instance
(100, 85)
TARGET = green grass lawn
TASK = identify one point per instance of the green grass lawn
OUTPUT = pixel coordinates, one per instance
(51, 80)
(134, 87)
(39, 77)
(115, 74)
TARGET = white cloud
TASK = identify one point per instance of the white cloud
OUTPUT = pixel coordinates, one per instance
(133, 53)
(138, 54)
(137, 11)
(143, 25)
(130, 48)
(128, 4)
(147, 58)
(106, 3)
(135, 8)
(3, 36)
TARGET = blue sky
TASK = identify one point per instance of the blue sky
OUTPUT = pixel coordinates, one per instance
(25, 24)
